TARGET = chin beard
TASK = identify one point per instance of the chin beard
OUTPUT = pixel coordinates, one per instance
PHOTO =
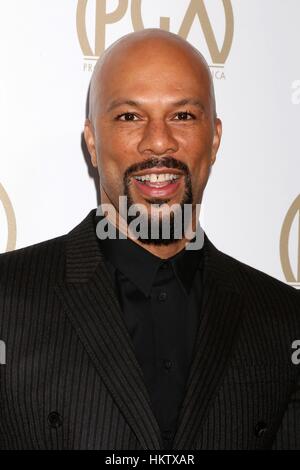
(155, 224)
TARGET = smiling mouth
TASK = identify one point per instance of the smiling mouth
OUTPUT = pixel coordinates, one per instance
(158, 183)
(156, 180)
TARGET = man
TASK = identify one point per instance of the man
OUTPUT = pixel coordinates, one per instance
(141, 342)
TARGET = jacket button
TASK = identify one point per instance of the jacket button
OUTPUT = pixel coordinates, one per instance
(167, 364)
(260, 429)
(54, 419)
(162, 296)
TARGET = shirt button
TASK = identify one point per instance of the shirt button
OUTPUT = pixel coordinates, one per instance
(162, 296)
(54, 419)
(260, 429)
(167, 364)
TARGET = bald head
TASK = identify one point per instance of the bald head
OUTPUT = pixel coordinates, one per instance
(139, 49)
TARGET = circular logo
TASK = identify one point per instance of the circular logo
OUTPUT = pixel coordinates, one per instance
(291, 221)
(10, 218)
(196, 11)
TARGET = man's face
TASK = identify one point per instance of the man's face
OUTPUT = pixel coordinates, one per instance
(154, 135)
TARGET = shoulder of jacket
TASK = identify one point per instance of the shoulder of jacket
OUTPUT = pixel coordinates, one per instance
(256, 276)
(38, 258)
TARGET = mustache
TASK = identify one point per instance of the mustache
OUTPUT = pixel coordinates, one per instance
(157, 162)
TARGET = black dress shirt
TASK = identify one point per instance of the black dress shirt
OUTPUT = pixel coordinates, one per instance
(161, 302)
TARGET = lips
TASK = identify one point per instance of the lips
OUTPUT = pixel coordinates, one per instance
(159, 183)
(159, 171)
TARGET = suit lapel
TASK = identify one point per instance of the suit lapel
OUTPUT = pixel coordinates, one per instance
(92, 307)
(90, 302)
(221, 308)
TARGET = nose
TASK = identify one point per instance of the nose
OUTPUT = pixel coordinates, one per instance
(157, 139)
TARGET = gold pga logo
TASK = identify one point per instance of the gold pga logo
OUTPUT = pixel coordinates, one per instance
(10, 219)
(196, 11)
(291, 224)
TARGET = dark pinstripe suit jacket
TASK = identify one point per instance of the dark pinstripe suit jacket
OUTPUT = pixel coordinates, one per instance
(72, 381)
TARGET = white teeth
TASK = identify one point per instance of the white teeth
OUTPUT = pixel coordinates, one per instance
(154, 178)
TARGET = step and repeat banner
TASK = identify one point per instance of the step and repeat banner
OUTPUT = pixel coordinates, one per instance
(48, 49)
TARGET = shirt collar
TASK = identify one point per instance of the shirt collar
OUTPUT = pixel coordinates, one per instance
(141, 266)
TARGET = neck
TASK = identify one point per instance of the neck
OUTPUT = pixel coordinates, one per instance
(163, 251)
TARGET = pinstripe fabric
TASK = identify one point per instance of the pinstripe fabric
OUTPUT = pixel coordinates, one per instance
(72, 380)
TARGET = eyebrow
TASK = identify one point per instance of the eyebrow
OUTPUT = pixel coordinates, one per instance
(192, 101)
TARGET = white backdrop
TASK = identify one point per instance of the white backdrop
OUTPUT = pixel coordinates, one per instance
(45, 186)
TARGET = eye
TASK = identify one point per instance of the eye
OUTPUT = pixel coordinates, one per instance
(126, 117)
(185, 116)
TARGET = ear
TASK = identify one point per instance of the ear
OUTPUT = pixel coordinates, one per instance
(89, 138)
(216, 139)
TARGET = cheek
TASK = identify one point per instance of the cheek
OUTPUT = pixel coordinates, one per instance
(115, 153)
(200, 172)
(115, 150)
(113, 160)
(197, 150)
(197, 140)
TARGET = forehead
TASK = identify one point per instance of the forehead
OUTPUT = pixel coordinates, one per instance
(152, 71)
